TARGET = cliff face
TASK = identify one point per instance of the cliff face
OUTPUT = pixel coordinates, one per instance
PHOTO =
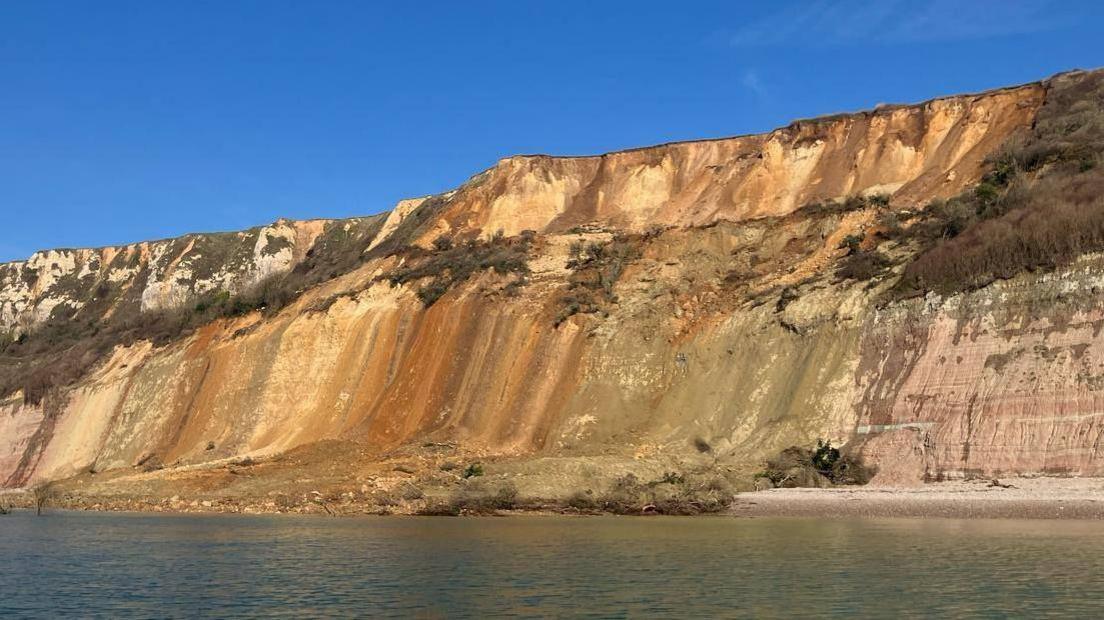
(1007, 379)
(708, 319)
(913, 153)
(154, 275)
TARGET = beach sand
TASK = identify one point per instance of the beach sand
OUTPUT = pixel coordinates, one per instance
(1026, 498)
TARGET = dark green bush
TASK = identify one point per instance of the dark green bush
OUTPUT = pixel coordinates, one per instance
(825, 456)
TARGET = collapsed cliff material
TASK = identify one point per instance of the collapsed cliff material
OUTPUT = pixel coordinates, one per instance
(671, 494)
(821, 467)
(743, 294)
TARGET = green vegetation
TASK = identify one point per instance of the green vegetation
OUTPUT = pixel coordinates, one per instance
(61, 350)
(1039, 207)
(275, 244)
(825, 456)
(863, 265)
(472, 471)
(29, 276)
(859, 263)
(595, 268)
(448, 264)
(503, 498)
(822, 466)
(673, 493)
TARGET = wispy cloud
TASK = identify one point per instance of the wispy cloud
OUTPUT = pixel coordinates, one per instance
(823, 22)
(751, 81)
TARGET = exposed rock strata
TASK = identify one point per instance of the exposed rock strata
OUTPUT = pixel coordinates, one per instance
(729, 335)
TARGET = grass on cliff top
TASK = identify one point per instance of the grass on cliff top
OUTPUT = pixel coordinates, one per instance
(1039, 206)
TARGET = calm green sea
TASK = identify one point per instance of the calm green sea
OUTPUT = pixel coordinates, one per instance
(111, 565)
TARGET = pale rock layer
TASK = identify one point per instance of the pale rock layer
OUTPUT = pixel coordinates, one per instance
(924, 388)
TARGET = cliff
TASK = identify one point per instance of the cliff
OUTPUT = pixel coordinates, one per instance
(566, 320)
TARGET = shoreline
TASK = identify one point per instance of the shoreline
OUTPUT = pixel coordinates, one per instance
(1012, 498)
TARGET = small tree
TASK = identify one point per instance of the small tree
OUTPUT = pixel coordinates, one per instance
(825, 456)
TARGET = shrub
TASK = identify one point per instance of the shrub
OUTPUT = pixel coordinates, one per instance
(448, 265)
(863, 265)
(442, 243)
(1056, 223)
(1038, 207)
(822, 466)
(430, 293)
(851, 242)
(582, 500)
(595, 269)
(275, 244)
(879, 200)
(671, 494)
(472, 471)
(439, 509)
(671, 477)
(825, 456)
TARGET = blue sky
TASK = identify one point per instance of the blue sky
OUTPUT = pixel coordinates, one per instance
(124, 121)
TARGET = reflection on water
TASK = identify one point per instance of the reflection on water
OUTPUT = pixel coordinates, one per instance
(90, 564)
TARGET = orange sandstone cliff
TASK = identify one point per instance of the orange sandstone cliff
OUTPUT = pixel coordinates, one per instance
(690, 306)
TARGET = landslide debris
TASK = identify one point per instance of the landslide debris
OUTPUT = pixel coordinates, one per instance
(819, 467)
